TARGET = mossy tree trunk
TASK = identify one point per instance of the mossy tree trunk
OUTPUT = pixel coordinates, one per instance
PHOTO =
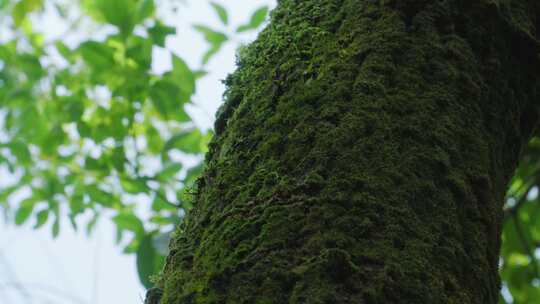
(362, 156)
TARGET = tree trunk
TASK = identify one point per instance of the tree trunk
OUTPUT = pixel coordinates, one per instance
(362, 156)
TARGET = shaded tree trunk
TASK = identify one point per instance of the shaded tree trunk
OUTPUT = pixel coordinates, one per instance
(362, 156)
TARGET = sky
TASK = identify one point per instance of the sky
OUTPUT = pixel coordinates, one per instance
(74, 268)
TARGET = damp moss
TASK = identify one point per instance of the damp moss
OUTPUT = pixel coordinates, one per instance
(360, 157)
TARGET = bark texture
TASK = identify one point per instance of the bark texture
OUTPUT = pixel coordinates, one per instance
(362, 156)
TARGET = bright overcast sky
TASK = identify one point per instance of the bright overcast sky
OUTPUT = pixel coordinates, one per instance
(36, 269)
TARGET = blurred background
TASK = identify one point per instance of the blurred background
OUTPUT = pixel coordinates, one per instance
(106, 109)
(90, 264)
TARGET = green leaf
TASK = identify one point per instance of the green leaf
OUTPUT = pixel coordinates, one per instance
(185, 195)
(24, 211)
(21, 152)
(97, 55)
(23, 8)
(163, 220)
(84, 129)
(169, 171)
(76, 203)
(133, 186)
(3, 4)
(214, 38)
(56, 227)
(92, 224)
(183, 76)
(73, 107)
(210, 53)
(155, 142)
(120, 13)
(72, 221)
(31, 66)
(64, 50)
(169, 99)
(159, 204)
(192, 175)
(140, 50)
(41, 218)
(119, 235)
(133, 246)
(5, 193)
(159, 32)
(146, 255)
(149, 261)
(118, 158)
(130, 222)
(99, 196)
(256, 20)
(221, 12)
(193, 142)
(146, 9)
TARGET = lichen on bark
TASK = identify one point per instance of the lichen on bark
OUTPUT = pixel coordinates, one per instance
(362, 156)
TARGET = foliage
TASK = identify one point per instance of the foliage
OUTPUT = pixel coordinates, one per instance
(89, 130)
(521, 234)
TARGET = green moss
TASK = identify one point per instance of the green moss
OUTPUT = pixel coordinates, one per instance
(359, 158)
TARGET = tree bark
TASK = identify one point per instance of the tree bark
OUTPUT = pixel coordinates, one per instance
(362, 156)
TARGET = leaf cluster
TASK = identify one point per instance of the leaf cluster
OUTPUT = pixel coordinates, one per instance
(90, 131)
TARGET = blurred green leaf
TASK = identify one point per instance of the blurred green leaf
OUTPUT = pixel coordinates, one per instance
(99, 196)
(193, 142)
(160, 204)
(214, 38)
(169, 171)
(120, 13)
(56, 227)
(149, 262)
(64, 50)
(140, 51)
(192, 174)
(41, 218)
(130, 222)
(20, 151)
(221, 12)
(31, 66)
(24, 211)
(168, 99)
(97, 55)
(133, 186)
(146, 9)
(183, 76)
(257, 18)
(3, 4)
(92, 224)
(159, 32)
(155, 141)
(23, 8)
